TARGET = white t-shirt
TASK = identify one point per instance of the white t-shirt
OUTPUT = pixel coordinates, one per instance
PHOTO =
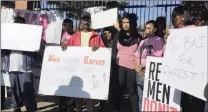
(16, 61)
(85, 37)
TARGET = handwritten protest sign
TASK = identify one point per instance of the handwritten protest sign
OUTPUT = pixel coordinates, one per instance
(104, 18)
(76, 72)
(185, 60)
(23, 37)
(50, 20)
(158, 96)
(94, 10)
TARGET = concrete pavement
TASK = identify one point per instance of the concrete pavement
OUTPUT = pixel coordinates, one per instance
(50, 104)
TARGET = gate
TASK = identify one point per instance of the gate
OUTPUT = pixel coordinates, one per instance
(145, 10)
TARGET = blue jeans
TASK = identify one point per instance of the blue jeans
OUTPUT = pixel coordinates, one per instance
(140, 86)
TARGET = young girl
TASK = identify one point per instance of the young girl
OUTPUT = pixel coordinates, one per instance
(151, 46)
(67, 30)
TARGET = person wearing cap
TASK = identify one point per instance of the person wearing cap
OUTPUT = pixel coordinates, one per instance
(85, 38)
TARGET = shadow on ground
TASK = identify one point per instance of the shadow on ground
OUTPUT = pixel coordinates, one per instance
(50, 104)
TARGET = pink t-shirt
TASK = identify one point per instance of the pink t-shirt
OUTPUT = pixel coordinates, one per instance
(65, 37)
(189, 26)
(149, 47)
(125, 56)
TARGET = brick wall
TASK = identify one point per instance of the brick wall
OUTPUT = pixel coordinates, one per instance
(21, 5)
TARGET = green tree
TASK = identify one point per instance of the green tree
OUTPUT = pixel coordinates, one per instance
(73, 9)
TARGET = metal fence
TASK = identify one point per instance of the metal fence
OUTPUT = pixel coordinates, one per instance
(145, 10)
(150, 10)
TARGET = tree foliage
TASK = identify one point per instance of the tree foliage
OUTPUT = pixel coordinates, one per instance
(73, 9)
(8, 4)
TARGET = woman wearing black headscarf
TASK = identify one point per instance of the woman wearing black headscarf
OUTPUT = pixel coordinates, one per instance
(124, 46)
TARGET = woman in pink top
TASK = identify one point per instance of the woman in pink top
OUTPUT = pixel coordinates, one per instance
(67, 30)
(125, 46)
(181, 18)
(151, 46)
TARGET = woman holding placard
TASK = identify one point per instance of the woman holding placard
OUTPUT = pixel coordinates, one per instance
(181, 18)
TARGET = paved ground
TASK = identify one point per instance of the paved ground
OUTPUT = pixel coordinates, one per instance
(45, 104)
(50, 104)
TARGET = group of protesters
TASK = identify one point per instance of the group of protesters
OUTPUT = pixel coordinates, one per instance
(129, 52)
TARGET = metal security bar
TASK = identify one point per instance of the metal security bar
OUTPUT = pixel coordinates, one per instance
(145, 10)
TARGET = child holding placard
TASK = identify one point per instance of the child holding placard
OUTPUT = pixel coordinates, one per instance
(151, 46)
